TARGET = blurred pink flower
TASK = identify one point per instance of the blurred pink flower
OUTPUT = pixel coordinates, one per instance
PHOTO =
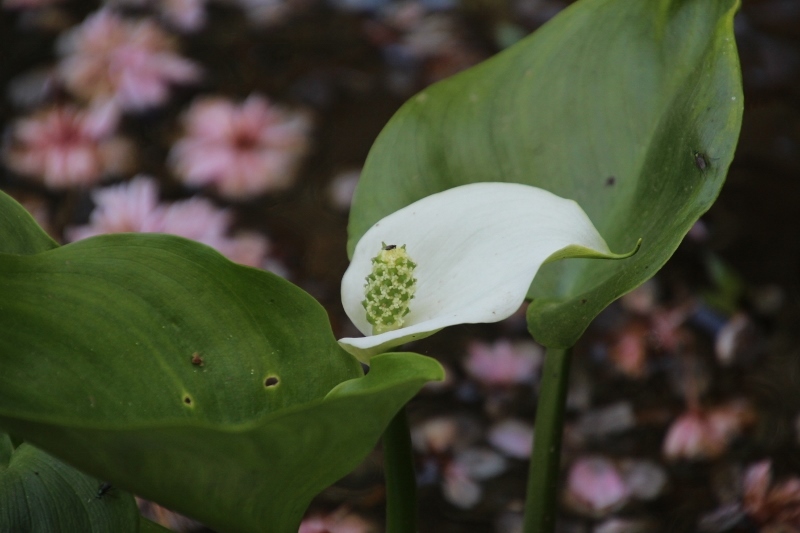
(134, 207)
(339, 521)
(132, 63)
(198, 219)
(595, 487)
(691, 437)
(774, 506)
(67, 146)
(503, 363)
(242, 150)
(130, 207)
(706, 433)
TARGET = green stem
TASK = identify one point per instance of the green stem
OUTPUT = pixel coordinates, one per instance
(541, 507)
(401, 482)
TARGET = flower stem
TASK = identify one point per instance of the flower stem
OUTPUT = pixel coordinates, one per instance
(401, 482)
(541, 506)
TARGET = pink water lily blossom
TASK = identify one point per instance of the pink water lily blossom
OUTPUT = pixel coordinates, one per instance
(66, 146)
(130, 62)
(241, 150)
(134, 207)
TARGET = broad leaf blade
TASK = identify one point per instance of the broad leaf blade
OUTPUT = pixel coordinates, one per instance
(615, 104)
(39, 493)
(149, 305)
(258, 476)
(146, 526)
(156, 364)
(19, 232)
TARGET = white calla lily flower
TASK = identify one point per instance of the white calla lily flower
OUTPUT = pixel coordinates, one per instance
(474, 251)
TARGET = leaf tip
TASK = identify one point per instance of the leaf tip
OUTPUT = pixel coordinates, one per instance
(632, 252)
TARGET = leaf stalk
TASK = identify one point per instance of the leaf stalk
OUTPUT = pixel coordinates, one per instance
(541, 505)
(401, 481)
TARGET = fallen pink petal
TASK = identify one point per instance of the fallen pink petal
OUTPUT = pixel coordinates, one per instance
(774, 505)
(512, 437)
(595, 487)
(503, 363)
(707, 433)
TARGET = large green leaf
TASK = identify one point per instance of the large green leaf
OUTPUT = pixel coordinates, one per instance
(19, 231)
(218, 390)
(251, 476)
(40, 494)
(632, 108)
(118, 319)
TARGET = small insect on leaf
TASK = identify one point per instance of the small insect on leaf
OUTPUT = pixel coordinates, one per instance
(197, 360)
(103, 490)
(389, 246)
(701, 161)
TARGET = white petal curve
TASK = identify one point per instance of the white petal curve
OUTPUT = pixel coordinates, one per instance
(477, 249)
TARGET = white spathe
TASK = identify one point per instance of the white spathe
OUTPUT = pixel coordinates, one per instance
(477, 248)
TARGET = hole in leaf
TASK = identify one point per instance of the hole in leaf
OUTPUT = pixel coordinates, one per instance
(271, 381)
(187, 400)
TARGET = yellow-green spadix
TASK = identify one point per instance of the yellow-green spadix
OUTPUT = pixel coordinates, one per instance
(475, 248)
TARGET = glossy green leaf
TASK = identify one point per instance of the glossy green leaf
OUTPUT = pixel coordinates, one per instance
(630, 108)
(40, 494)
(217, 390)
